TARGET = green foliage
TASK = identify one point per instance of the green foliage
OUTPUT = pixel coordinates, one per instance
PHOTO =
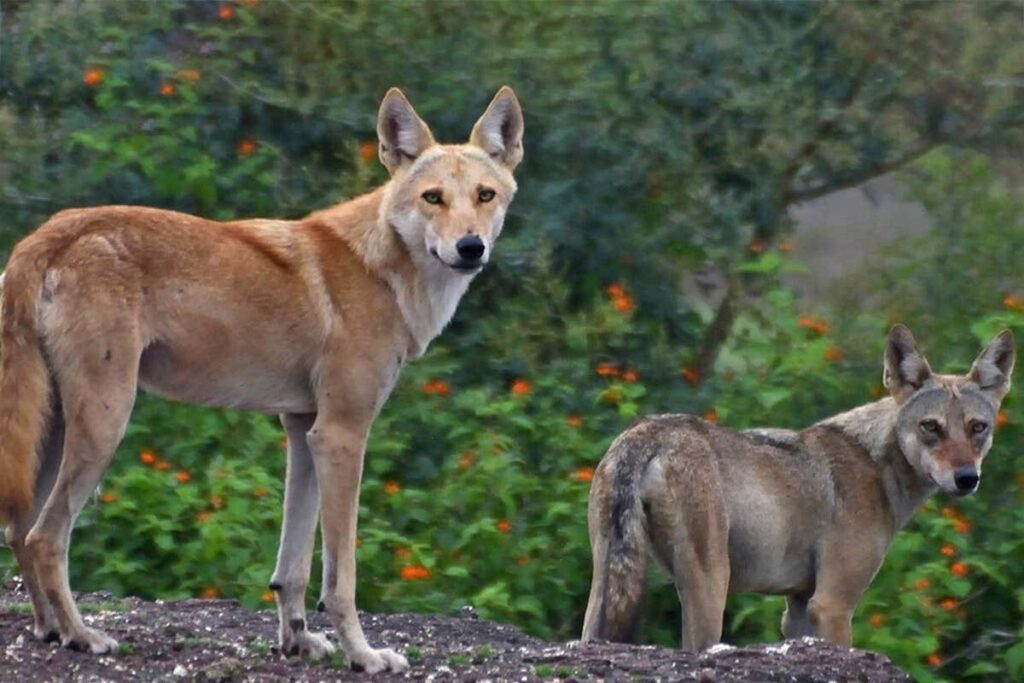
(660, 136)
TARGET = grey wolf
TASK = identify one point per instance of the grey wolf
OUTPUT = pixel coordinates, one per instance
(806, 514)
(311, 319)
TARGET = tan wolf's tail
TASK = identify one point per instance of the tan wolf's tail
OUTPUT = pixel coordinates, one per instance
(24, 378)
(621, 547)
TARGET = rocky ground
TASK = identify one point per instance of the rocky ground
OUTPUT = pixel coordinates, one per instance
(216, 640)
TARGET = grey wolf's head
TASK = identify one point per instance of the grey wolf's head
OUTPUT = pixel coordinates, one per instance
(448, 202)
(945, 422)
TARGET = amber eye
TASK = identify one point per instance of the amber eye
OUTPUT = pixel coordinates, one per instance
(485, 195)
(977, 427)
(930, 426)
(432, 197)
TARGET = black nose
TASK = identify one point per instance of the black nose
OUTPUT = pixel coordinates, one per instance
(470, 248)
(966, 478)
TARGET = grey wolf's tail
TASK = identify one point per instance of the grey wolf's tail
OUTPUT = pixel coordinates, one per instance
(620, 545)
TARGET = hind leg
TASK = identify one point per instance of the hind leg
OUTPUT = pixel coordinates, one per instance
(45, 626)
(795, 621)
(97, 389)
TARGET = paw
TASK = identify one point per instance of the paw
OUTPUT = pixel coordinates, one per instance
(308, 644)
(46, 631)
(89, 640)
(375, 661)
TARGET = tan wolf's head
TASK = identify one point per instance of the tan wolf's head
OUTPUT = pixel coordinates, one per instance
(945, 422)
(448, 202)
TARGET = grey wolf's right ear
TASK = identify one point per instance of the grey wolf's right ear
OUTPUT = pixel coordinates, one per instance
(906, 369)
(992, 369)
(403, 135)
(499, 132)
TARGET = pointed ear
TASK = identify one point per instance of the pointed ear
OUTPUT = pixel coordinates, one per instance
(906, 369)
(499, 132)
(992, 369)
(403, 135)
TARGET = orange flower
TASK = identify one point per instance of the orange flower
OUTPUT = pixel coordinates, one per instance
(584, 474)
(934, 659)
(93, 77)
(711, 415)
(786, 246)
(950, 512)
(217, 502)
(833, 354)
(466, 460)
(606, 370)
(203, 516)
(368, 150)
(756, 245)
(259, 492)
(167, 89)
(624, 304)
(503, 525)
(268, 596)
(948, 550)
(574, 421)
(162, 465)
(209, 593)
(108, 497)
(922, 584)
(1001, 419)
(615, 290)
(689, 373)
(1010, 302)
(629, 376)
(190, 75)
(876, 619)
(414, 572)
(958, 569)
(523, 559)
(436, 387)
(246, 146)
(962, 526)
(520, 387)
(948, 604)
(225, 12)
(392, 487)
(816, 325)
(182, 476)
(147, 458)
(400, 552)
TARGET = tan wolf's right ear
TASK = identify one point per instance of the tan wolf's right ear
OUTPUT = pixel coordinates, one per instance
(499, 132)
(906, 369)
(992, 369)
(403, 135)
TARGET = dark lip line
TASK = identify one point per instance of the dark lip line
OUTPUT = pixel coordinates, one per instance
(461, 269)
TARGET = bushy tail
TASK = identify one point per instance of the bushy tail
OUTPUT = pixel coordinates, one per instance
(620, 546)
(24, 378)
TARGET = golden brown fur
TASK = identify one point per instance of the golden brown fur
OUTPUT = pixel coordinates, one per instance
(311, 319)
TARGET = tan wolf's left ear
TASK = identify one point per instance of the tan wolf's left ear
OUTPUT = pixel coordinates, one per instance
(992, 369)
(906, 368)
(403, 135)
(499, 132)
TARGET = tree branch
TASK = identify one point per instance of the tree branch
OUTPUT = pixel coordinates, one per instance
(866, 174)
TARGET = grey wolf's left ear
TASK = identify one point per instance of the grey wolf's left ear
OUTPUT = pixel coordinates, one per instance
(499, 132)
(906, 369)
(992, 368)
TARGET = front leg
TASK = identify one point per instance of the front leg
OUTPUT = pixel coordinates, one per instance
(848, 561)
(295, 554)
(338, 443)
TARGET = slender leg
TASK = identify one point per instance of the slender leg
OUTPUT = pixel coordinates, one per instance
(338, 446)
(795, 623)
(45, 626)
(845, 570)
(295, 554)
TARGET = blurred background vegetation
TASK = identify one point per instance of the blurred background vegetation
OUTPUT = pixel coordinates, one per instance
(683, 241)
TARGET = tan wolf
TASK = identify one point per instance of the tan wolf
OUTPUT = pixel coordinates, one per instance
(806, 514)
(311, 319)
